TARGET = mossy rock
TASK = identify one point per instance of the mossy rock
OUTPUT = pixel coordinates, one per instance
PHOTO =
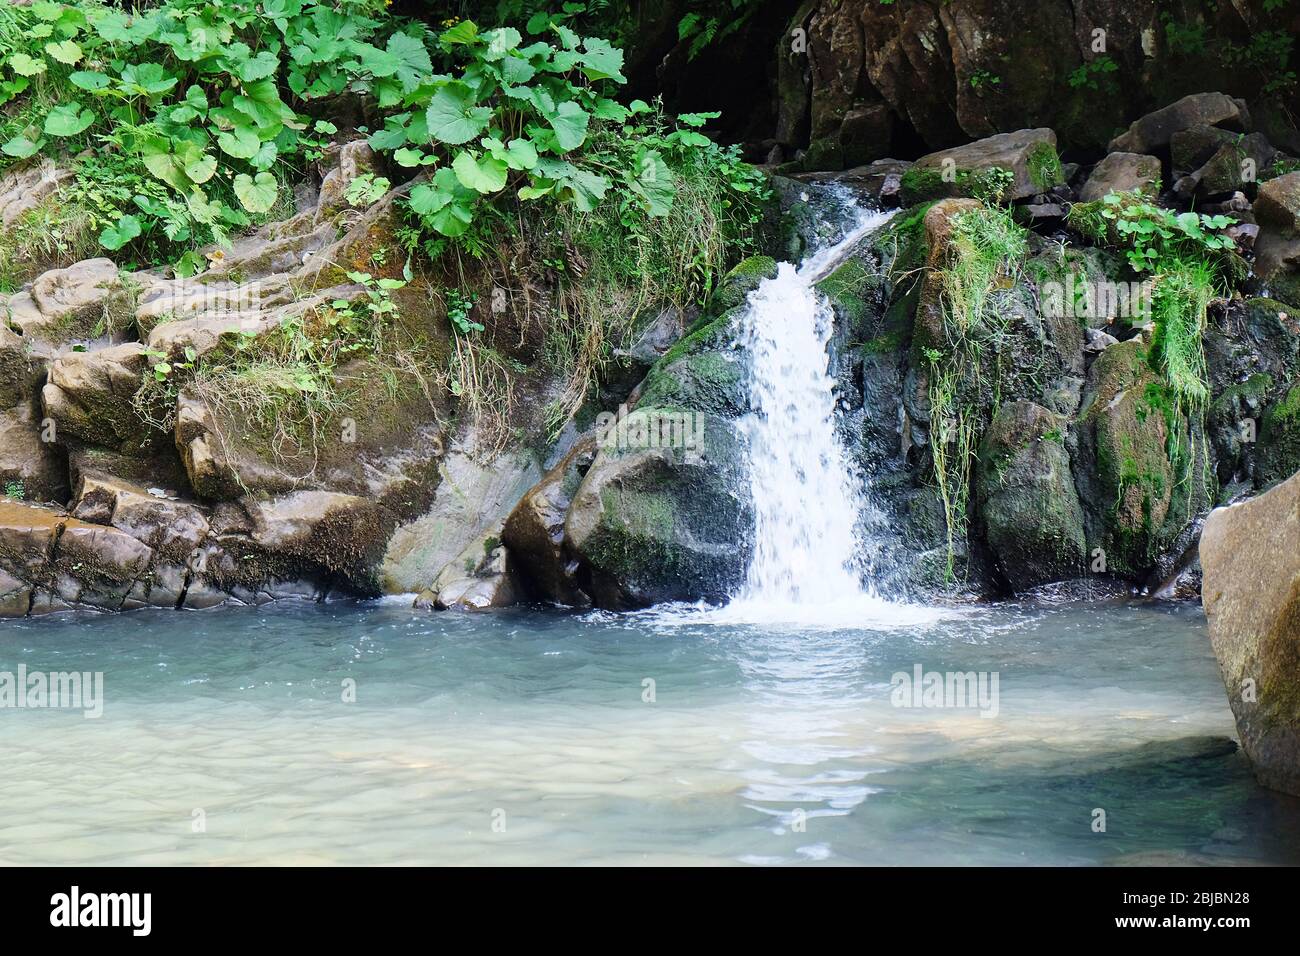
(1278, 455)
(852, 289)
(921, 185)
(663, 524)
(702, 372)
(1026, 497)
(1126, 479)
(743, 279)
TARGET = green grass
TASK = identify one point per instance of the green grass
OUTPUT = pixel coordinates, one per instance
(987, 249)
(1182, 295)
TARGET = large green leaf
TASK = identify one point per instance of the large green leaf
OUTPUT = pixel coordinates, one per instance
(484, 174)
(147, 79)
(89, 80)
(375, 61)
(516, 71)
(452, 116)
(465, 32)
(24, 65)
(500, 42)
(570, 124)
(258, 194)
(259, 67)
(20, 147)
(65, 51)
(242, 142)
(445, 204)
(655, 183)
(68, 119)
(114, 237)
(600, 61)
(519, 154)
(413, 60)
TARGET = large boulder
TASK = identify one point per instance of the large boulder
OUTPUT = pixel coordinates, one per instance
(1028, 155)
(1027, 497)
(30, 467)
(655, 524)
(1250, 556)
(471, 500)
(90, 396)
(534, 532)
(60, 562)
(172, 527)
(480, 577)
(86, 300)
(342, 534)
(1277, 249)
(1155, 130)
(1121, 173)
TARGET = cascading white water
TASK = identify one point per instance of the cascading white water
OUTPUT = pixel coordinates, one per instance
(806, 565)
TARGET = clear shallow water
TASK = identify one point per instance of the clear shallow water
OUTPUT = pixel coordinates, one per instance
(540, 714)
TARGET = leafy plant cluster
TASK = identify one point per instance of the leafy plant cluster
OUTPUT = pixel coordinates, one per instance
(1152, 236)
(198, 112)
(194, 105)
(538, 119)
(1094, 74)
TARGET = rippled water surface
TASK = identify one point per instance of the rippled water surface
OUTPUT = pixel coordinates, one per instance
(525, 737)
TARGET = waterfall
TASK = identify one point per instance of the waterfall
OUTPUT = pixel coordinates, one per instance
(806, 566)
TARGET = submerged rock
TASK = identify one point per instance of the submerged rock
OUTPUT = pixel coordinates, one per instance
(1250, 555)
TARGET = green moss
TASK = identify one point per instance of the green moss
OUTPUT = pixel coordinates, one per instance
(1044, 166)
(743, 279)
(927, 184)
(886, 343)
(705, 381)
(848, 288)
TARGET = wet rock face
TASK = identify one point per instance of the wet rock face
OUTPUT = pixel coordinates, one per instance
(1250, 554)
(652, 504)
(1027, 497)
(650, 525)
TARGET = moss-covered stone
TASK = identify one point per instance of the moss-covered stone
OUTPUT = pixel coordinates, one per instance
(743, 279)
(653, 524)
(1279, 439)
(699, 373)
(1027, 499)
(1126, 479)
